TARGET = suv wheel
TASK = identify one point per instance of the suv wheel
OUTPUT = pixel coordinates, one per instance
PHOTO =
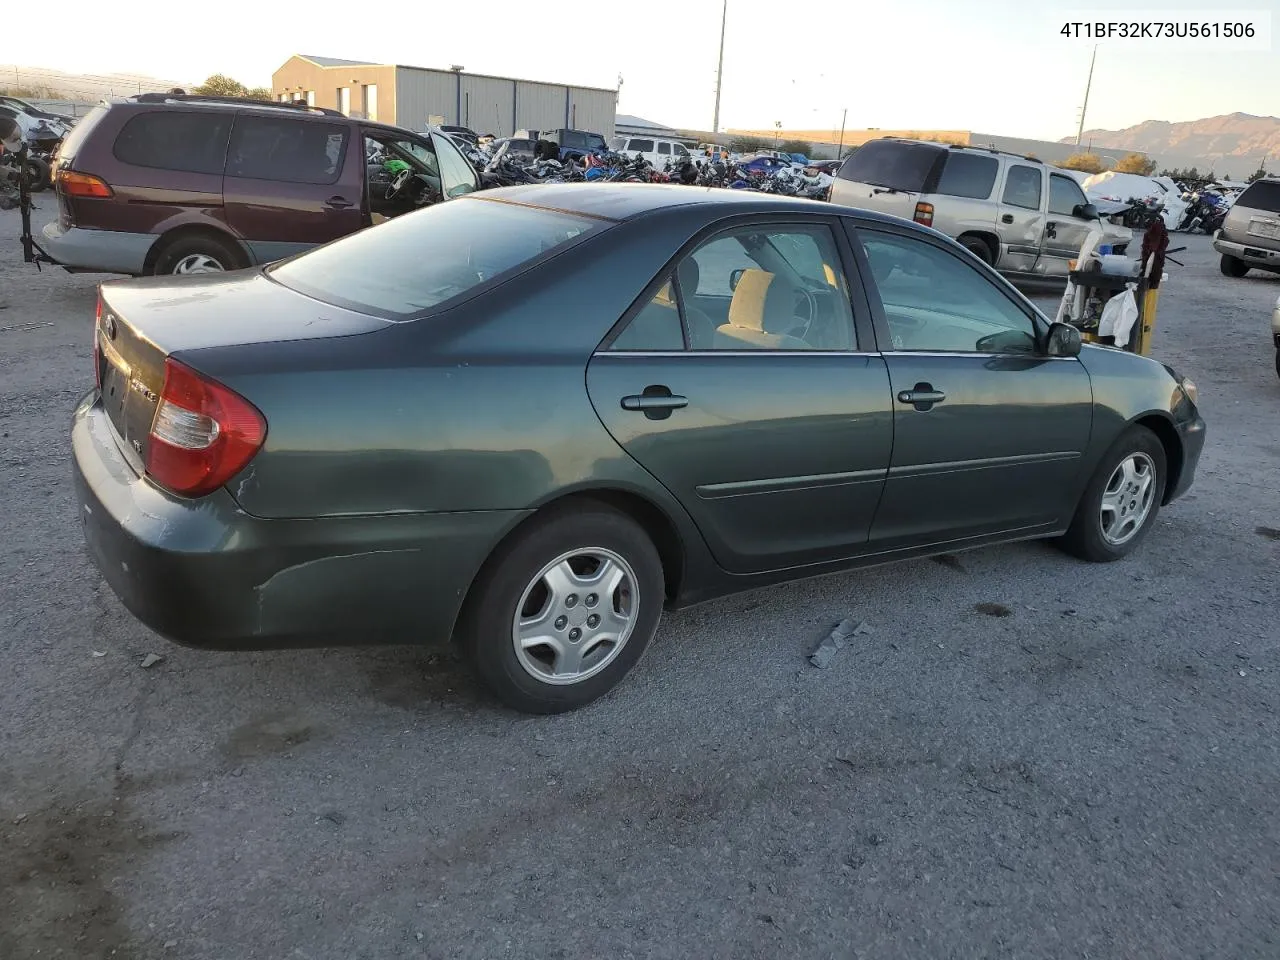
(978, 247)
(188, 255)
(1233, 266)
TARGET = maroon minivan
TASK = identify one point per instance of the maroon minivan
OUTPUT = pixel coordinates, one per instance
(160, 183)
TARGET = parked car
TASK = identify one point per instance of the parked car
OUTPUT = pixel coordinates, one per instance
(829, 167)
(657, 152)
(184, 184)
(1012, 212)
(60, 121)
(762, 163)
(520, 148)
(499, 419)
(572, 144)
(1250, 235)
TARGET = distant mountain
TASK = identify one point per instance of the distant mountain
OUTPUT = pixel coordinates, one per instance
(1235, 143)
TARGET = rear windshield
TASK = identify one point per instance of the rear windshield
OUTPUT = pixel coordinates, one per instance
(401, 268)
(71, 142)
(889, 163)
(1262, 195)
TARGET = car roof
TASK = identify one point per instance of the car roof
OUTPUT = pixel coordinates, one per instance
(976, 148)
(267, 107)
(627, 201)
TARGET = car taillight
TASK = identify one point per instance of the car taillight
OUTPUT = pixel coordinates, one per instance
(203, 433)
(924, 214)
(73, 184)
(97, 343)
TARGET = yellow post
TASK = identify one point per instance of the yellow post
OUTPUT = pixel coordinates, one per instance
(1148, 321)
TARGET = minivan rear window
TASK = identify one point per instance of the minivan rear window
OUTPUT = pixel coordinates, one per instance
(401, 268)
(80, 131)
(893, 164)
(1262, 195)
(190, 141)
(968, 175)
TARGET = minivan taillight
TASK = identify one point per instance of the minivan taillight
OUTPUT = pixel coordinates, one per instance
(203, 433)
(73, 184)
(924, 214)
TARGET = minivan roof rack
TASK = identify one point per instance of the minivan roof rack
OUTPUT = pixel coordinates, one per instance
(233, 101)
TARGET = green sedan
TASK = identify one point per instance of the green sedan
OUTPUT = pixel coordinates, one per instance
(532, 418)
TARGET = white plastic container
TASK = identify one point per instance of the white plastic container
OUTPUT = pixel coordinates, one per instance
(1119, 266)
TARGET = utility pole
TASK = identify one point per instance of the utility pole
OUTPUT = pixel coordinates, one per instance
(1087, 85)
(843, 117)
(724, 17)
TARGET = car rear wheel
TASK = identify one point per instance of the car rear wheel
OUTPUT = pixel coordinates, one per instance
(562, 612)
(978, 247)
(1122, 500)
(198, 254)
(1233, 266)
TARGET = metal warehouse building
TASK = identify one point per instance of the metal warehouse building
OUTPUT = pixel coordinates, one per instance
(413, 97)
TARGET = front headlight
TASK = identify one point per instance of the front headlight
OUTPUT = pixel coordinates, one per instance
(1190, 389)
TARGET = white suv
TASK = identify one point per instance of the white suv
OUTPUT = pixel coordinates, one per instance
(657, 152)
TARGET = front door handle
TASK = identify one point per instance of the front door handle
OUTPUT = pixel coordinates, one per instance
(338, 203)
(1007, 218)
(1051, 230)
(922, 396)
(656, 402)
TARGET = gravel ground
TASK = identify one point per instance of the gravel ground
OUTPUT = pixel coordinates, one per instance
(1090, 768)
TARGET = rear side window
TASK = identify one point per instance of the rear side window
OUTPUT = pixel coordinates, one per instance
(573, 139)
(286, 149)
(408, 265)
(664, 148)
(190, 141)
(888, 163)
(1023, 187)
(968, 175)
(1262, 195)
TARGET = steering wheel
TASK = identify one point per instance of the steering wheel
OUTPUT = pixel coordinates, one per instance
(398, 183)
(810, 302)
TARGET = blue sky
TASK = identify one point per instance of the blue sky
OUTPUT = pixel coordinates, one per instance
(995, 66)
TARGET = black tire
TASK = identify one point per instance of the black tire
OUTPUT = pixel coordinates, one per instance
(1233, 266)
(186, 249)
(978, 247)
(1085, 538)
(38, 174)
(486, 629)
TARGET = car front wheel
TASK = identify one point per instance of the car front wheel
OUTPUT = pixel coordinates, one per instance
(1122, 500)
(562, 612)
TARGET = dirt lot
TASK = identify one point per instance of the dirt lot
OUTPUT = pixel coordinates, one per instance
(1027, 757)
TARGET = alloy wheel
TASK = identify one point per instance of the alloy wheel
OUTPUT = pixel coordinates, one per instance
(1127, 498)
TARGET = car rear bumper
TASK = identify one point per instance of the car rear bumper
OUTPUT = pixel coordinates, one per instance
(1192, 434)
(102, 251)
(1254, 254)
(206, 574)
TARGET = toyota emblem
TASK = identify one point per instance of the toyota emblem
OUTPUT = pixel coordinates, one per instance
(110, 327)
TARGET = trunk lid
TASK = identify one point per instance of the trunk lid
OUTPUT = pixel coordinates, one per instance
(141, 322)
(889, 176)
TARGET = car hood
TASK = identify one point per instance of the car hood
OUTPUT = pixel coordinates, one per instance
(224, 309)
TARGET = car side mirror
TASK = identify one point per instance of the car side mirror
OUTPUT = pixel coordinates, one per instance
(1063, 341)
(1085, 211)
(735, 278)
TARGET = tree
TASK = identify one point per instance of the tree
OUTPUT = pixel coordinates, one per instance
(796, 146)
(220, 85)
(1136, 163)
(746, 144)
(1086, 162)
(1258, 174)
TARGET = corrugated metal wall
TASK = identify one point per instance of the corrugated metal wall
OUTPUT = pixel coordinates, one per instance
(487, 104)
(592, 110)
(424, 93)
(539, 106)
(497, 105)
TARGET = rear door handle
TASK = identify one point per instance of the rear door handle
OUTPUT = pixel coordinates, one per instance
(656, 402)
(338, 203)
(1007, 218)
(922, 396)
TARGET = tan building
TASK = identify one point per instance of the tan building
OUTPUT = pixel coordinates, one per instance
(413, 97)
